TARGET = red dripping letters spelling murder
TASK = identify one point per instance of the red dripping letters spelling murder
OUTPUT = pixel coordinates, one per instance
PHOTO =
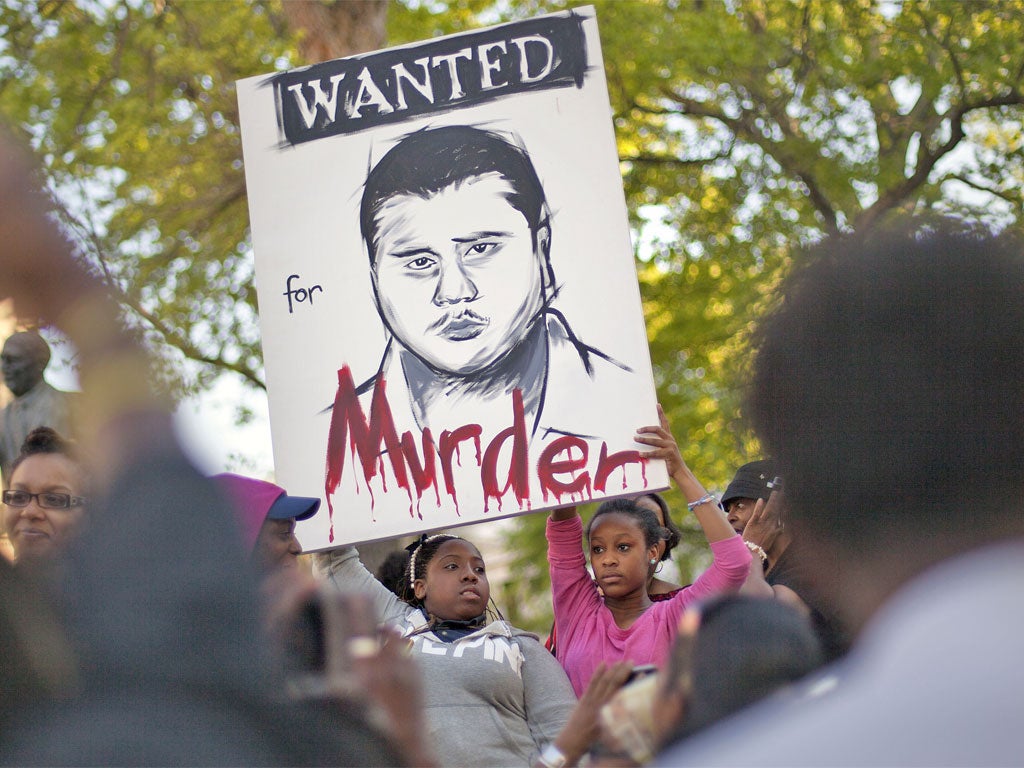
(565, 465)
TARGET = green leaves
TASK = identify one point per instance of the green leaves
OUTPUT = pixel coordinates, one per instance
(749, 129)
(746, 129)
(132, 110)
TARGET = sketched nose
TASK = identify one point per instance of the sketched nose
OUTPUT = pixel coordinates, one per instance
(454, 285)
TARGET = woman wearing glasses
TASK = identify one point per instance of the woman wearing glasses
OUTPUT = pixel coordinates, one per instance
(43, 501)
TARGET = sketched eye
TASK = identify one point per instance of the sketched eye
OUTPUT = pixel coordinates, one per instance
(420, 263)
(477, 249)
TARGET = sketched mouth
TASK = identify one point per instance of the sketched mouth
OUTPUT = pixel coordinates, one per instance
(462, 327)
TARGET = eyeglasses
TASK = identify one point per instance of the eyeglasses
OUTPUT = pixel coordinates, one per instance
(44, 500)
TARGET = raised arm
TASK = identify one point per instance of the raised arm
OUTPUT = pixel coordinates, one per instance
(343, 568)
(703, 504)
(563, 513)
(573, 592)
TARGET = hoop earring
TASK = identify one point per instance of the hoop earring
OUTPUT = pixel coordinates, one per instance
(659, 567)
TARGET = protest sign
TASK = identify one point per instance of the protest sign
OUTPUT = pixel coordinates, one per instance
(451, 321)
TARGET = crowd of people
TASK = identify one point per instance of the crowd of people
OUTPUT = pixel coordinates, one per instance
(857, 609)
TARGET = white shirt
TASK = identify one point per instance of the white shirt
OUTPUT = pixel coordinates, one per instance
(937, 678)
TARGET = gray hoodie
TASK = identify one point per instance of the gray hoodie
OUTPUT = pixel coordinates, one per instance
(495, 697)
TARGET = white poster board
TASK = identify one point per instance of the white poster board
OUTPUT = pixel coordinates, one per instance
(451, 320)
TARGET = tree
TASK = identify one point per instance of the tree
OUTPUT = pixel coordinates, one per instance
(746, 129)
(131, 109)
(755, 127)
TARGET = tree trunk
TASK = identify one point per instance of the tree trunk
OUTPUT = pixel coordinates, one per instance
(332, 29)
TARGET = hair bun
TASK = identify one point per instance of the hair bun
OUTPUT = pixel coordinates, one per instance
(44, 440)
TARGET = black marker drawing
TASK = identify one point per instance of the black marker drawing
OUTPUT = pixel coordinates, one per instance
(458, 233)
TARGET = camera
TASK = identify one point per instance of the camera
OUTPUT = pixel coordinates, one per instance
(627, 720)
(320, 639)
(305, 644)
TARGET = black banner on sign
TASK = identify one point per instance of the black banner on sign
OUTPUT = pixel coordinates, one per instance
(349, 95)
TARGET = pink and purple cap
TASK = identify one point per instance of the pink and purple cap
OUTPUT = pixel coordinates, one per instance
(254, 501)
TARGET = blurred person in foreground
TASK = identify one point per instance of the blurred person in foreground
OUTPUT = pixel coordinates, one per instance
(888, 386)
(327, 644)
(160, 607)
(731, 651)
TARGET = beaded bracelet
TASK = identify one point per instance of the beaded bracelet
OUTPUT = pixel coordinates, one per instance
(692, 505)
(758, 550)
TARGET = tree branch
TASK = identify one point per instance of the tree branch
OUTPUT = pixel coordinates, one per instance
(963, 179)
(744, 127)
(341, 28)
(672, 160)
(172, 336)
(112, 71)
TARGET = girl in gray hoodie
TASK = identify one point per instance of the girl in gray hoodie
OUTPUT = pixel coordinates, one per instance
(493, 695)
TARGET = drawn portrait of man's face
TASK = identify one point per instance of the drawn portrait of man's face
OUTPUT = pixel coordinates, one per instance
(458, 273)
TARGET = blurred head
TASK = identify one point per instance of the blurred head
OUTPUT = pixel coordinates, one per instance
(393, 572)
(749, 484)
(623, 538)
(45, 497)
(24, 358)
(448, 578)
(266, 516)
(456, 227)
(658, 505)
(888, 387)
(733, 651)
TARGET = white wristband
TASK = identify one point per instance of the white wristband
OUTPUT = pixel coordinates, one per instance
(551, 757)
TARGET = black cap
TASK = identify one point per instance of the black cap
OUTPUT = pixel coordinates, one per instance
(751, 482)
